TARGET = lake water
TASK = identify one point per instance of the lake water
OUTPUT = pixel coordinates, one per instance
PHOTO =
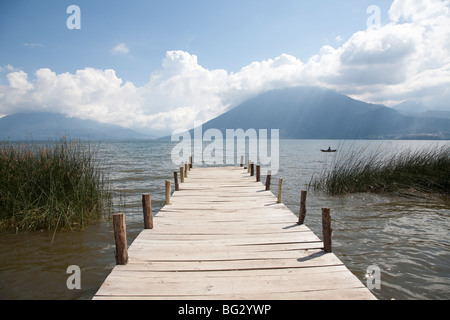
(407, 238)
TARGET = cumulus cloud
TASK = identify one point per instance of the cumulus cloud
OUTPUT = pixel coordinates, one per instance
(405, 59)
(408, 58)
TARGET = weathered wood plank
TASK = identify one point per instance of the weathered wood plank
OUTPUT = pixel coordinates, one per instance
(332, 294)
(224, 236)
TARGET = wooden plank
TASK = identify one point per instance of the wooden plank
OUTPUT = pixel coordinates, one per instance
(332, 294)
(224, 236)
(262, 284)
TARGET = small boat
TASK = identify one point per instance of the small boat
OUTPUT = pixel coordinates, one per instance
(328, 150)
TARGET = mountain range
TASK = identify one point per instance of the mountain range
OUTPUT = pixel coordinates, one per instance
(317, 113)
(47, 125)
(298, 113)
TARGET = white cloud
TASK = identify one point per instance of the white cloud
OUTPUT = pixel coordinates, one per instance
(34, 45)
(120, 49)
(407, 58)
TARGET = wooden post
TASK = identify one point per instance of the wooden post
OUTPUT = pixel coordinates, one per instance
(186, 168)
(326, 229)
(120, 236)
(280, 187)
(248, 167)
(242, 161)
(268, 177)
(302, 215)
(252, 169)
(147, 210)
(167, 192)
(258, 173)
(182, 174)
(190, 162)
(175, 178)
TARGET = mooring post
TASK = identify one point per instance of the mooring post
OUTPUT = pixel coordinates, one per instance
(120, 236)
(280, 189)
(242, 161)
(175, 178)
(248, 167)
(191, 163)
(147, 210)
(326, 229)
(252, 169)
(182, 174)
(258, 173)
(186, 168)
(302, 215)
(268, 177)
(168, 192)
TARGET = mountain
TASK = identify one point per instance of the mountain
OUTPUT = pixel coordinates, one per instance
(46, 125)
(317, 113)
(435, 114)
(410, 108)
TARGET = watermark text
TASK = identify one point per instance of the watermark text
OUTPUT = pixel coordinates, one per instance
(228, 148)
(74, 280)
(74, 20)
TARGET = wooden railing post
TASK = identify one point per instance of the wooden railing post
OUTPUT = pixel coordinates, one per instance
(182, 174)
(167, 192)
(326, 229)
(120, 236)
(147, 210)
(258, 173)
(175, 178)
(302, 214)
(280, 189)
(268, 178)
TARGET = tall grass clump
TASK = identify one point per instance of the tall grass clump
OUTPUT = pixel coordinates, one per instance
(51, 185)
(426, 170)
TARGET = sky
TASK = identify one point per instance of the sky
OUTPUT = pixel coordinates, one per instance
(159, 66)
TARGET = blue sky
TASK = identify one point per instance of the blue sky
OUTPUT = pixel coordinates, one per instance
(166, 59)
(223, 34)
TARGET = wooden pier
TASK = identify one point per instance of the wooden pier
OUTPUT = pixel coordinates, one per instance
(225, 237)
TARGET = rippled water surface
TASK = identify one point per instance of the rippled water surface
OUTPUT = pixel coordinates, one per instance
(407, 238)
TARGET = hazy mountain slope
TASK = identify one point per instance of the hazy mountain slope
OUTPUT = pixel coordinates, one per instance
(45, 125)
(315, 113)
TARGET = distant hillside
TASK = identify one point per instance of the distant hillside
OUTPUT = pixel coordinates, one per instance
(411, 108)
(316, 113)
(45, 125)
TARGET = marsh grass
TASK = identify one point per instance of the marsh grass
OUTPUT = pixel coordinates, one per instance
(405, 171)
(52, 185)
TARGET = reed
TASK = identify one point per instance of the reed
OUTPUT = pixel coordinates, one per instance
(51, 185)
(426, 170)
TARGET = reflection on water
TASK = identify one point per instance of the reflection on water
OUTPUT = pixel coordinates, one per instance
(407, 238)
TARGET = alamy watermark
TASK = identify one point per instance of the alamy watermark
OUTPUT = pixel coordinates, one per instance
(374, 20)
(228, 149)
(74, 280)
(74, 20)
(373, 277)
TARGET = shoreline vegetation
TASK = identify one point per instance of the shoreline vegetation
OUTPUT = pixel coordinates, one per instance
(59, 184)
(51, 185)
(405, 172)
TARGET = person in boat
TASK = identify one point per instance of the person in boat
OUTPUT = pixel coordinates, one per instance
(329, 149)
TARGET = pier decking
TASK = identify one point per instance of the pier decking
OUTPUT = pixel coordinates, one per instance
(224, 237)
